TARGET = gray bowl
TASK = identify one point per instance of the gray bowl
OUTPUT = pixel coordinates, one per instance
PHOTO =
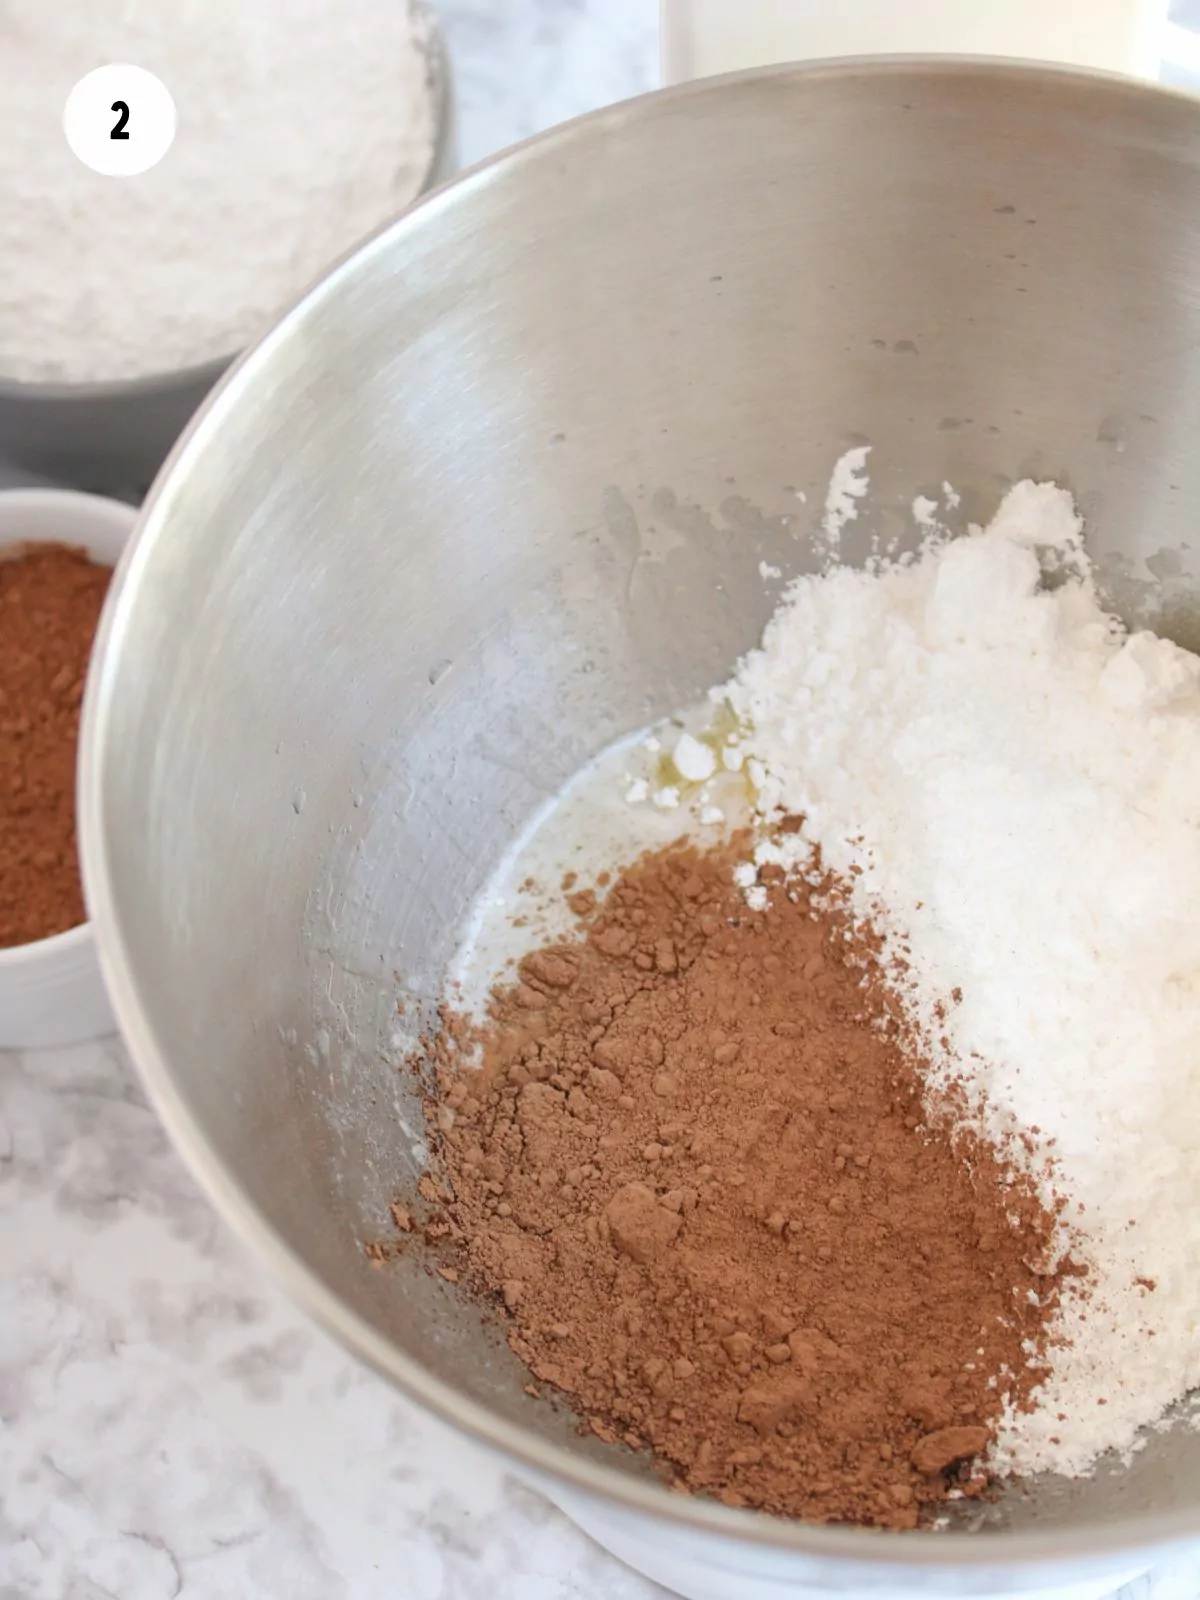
(111, 438)
(495, 495)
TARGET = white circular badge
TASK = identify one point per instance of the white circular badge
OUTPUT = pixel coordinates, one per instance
(119, 120)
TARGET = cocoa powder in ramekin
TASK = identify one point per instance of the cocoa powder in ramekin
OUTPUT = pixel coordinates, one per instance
(50, 600)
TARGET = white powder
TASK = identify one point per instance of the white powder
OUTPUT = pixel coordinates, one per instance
(693, 761)
(924, 511)
(1020, 784)
(848, 483)
(302, 126)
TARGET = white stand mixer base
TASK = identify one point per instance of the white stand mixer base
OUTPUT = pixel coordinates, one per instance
(693, 1573)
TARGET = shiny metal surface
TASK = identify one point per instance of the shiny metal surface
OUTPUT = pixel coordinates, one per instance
(111, 438)
(497, 493)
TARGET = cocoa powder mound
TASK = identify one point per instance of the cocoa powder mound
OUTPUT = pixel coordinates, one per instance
(696, 1173)
(50, 600)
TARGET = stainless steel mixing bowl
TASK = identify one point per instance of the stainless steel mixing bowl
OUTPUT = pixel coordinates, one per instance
(495, 494)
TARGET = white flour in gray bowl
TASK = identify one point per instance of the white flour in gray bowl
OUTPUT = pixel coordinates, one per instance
(302, 125)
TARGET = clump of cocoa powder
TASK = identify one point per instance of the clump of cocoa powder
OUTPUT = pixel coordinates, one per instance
(696, 1173)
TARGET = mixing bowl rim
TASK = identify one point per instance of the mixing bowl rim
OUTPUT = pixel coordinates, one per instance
(203, 374)
(995, 1549)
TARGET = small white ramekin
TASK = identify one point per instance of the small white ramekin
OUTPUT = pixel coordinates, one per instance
(51, 991)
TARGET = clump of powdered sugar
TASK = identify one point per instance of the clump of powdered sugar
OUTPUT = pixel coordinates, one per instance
(848, 483)
(1012, 784)
(302, 125)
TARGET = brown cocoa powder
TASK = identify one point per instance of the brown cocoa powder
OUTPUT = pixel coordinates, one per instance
(50, 600)
(696, 1173)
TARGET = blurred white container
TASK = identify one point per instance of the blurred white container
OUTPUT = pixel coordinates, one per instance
(51, 991)
(703, 37)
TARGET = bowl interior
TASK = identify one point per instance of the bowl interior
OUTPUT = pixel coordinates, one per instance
(497, 494)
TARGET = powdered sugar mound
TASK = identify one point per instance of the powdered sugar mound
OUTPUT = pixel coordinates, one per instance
(1018, 783)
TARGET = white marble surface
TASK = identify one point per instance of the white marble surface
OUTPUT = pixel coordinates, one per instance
(171, 1426)
(523, 65)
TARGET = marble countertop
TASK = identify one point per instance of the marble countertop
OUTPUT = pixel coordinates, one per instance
(173, 1427)
(523, 65)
